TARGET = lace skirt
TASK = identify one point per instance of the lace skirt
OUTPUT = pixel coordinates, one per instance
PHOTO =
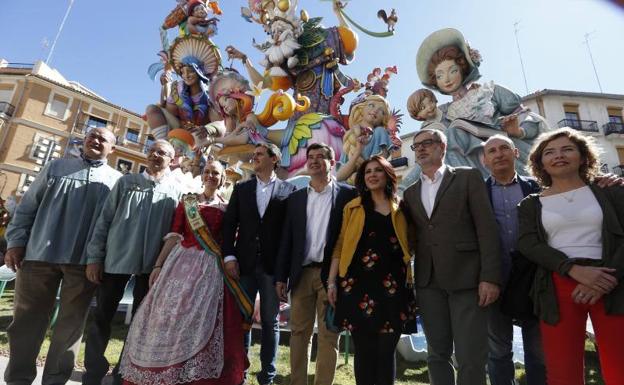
(188, 329)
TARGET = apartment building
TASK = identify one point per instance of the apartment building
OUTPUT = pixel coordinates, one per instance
(44, 116)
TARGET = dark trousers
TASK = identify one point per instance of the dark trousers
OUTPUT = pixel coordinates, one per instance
(108, 295)
(374, 361)
(35, 295)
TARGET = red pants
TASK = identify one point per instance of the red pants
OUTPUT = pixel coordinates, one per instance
(564, 343)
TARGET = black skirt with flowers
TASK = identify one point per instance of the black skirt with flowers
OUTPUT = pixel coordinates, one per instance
(373, 297)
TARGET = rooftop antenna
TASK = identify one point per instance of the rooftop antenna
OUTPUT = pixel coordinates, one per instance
(58, 33)
(516, 29)
(591, 57)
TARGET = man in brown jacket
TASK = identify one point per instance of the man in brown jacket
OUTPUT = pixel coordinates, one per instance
(457, 266)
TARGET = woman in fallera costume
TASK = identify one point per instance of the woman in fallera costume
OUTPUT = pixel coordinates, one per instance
(189, 329)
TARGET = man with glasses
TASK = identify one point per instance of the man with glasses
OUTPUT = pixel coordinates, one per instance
(457, 266)
(47, 240)
(127, 238)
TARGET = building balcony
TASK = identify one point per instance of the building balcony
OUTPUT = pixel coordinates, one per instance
(619, 170)
(6, 110)
(581, 125)
(613, 128)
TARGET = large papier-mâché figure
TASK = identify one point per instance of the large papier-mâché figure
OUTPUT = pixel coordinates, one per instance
(445, 63)
(305, 56)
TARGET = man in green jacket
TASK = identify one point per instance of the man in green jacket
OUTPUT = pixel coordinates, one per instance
(47, 240)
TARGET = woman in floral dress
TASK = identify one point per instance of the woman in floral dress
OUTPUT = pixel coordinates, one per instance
(370, 274)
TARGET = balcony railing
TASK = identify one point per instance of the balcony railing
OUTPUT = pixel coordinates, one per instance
(581, 125)
(6, 109)
(613, 128)
(619, 170)
(22, 66)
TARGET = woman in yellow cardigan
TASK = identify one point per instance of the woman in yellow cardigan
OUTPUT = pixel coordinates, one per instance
(371, 259)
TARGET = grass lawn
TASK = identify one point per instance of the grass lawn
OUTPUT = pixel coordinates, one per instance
(407, 372)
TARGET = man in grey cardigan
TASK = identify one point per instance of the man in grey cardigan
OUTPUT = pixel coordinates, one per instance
(47, 240)
(457, 261)
(127, 238)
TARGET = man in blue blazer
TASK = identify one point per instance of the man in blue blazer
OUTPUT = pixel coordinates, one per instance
(506, 189)
(252, 233)
(311, 228)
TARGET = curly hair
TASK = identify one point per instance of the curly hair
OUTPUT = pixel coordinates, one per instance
(391, 181)
(586, 145)
(450, 52)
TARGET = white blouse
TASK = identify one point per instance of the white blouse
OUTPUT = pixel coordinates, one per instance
(573, 223)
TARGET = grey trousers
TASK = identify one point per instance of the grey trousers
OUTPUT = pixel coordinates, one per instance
(454, 318)
(36, 286)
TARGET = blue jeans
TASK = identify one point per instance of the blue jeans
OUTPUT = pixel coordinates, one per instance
(269, 309)
(500, 337)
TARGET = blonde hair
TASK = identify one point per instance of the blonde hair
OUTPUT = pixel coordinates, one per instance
(355, 115)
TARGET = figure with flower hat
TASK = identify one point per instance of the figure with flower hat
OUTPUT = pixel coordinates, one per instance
(303, 55)
(447, 64)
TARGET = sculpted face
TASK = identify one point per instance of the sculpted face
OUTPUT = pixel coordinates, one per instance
(228, 105)
(448, 76)
(189, 76)
(427, 109)
(200, 11)
(373, 114)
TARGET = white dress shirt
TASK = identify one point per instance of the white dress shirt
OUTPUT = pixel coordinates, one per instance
(264, 192)
(318, 211)
(429, 188)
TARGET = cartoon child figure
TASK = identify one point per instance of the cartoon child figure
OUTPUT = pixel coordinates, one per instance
(422, 105)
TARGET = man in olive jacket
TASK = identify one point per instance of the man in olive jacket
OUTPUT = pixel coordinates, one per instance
(457, 266)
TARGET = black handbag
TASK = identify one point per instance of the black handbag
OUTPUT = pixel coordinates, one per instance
(516, 300)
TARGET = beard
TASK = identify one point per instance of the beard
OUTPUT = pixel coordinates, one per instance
(283, 49)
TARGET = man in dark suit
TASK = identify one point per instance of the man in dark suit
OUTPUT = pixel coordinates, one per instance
(311, 228)
(457, 264)
(506, 189)
(251, 236)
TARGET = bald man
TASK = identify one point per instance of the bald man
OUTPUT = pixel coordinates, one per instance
(47, 240)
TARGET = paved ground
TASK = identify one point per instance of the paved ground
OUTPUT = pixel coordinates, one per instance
(75, 379)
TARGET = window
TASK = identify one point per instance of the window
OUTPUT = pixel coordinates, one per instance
(57, 106)
(24, 183)
(572, 117)
(615, 115)
(148, 143)
(132, 135)
(6, 92)
(124, 166)
(94, 122)
(142, 168)
(44, 149)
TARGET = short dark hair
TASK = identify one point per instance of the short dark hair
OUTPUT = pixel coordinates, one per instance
(391, 181)
(272, 150)
(327, 150)
(439, 135)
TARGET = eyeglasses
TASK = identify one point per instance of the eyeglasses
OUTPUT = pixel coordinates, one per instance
(425, 144)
